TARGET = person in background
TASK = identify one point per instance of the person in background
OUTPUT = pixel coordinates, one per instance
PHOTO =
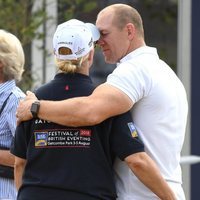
(11, 69)
(66, 163)
(141, 81)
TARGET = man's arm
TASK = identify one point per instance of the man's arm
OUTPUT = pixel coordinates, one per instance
(18, 171)
(149, 174)
(104, 102)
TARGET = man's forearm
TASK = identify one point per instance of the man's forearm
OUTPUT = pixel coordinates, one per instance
(67, 112)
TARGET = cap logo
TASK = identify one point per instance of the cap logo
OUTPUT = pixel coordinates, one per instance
(80, 51)
(68, 43)
(90, 43)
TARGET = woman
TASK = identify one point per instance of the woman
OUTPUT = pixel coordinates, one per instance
(11, 69)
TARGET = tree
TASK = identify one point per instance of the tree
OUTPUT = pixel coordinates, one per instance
(19, 18)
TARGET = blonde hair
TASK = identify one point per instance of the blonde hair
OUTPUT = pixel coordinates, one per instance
(11, 56)
(69, 66)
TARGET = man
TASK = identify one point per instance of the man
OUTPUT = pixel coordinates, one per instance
(11, 69)
(141, 81)
(84, 155)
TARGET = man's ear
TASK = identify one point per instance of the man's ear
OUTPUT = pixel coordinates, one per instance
(130, 30)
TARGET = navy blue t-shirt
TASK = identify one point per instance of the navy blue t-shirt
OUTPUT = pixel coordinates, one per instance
(68, 163)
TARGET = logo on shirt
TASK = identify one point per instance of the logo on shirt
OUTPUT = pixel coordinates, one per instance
(41, 139)
(63, 138)
(85, 132)
(132, 129)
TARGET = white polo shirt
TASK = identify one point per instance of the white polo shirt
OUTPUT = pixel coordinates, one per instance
(159, 113)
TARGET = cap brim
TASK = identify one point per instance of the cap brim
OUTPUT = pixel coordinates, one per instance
(94, 30)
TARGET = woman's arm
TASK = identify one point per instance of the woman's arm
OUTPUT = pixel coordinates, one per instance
(148, 173)
(18, 171)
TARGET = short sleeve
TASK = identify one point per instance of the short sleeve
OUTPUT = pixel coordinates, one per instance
(131, 79)
(20, 141)
(124, 137)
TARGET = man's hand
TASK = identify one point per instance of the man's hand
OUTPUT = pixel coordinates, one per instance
(23, 111)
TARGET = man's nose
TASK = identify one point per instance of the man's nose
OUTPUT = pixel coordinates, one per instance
(100, 42)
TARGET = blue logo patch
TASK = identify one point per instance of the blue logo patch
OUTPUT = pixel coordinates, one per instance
(132, 129)
(41, 139)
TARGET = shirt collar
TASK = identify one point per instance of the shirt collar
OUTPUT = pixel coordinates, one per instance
(7, 86)
(138, 51)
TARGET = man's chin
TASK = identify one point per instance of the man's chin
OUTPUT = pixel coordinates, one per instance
(110, 61)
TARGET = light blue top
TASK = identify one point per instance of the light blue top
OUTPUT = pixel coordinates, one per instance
(7, 129)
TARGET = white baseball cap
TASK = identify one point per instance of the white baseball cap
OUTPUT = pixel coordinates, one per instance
(76, 35)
